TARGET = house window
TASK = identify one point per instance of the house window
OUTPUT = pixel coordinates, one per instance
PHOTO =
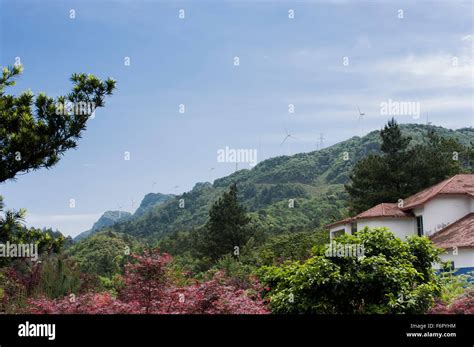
(353, 228)
(419, 225)
(338, 233)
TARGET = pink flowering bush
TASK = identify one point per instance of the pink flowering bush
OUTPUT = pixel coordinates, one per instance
(462, 305)
(149, 290)
(89, 303)
(146, 281)
(215, 297)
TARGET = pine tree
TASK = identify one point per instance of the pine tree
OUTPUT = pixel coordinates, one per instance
(393, 142)
(35, 132)
(400, 170)
(228, 226)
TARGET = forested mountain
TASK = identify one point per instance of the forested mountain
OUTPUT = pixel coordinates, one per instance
(151, 200)
(315, 181)
(107, 219)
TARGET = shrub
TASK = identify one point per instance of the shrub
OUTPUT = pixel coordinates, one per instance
(147, 288)
(392, 276)
(89, 303)
(462, 305)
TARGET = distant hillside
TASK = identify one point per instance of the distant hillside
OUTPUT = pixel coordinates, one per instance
(315, 181)
(107, 219)
(151, 200)
(102, 253)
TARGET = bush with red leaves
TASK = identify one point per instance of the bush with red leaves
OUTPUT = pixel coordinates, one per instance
(215, 297)
(148, 289)
(462, 305)
(146, 281)
(89, 303)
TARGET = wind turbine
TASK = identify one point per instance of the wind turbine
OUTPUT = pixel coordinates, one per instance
(288, 136)
(153, 186)
(359, 119)
(361, 114)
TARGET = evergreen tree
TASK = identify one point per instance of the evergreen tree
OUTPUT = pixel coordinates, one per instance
(35, 132)
(400, 171)
(393, 142)
(435, 161)
(228, 226)
(380, 178)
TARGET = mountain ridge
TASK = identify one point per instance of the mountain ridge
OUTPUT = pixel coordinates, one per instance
(313, 180)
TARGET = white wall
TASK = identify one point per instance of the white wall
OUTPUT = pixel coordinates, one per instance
(464, 258)
(442, 211)
(334, 229)
(401, 227)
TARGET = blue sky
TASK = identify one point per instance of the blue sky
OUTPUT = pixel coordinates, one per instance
(424, 57)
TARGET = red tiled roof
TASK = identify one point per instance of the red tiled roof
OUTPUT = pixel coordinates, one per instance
(388, 210)
(457, 234)
(383, 210)
(342, 221)
(459, 184)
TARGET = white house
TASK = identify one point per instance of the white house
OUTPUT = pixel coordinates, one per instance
(443, 212)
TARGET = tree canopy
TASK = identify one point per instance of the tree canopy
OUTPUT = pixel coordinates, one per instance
(401, 170)
(388, 276)
(228, 226)
(36, 131)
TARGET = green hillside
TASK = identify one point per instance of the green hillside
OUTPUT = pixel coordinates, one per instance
(315, 181)
(107, 219)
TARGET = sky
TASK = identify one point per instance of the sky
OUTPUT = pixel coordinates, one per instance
(327, 61)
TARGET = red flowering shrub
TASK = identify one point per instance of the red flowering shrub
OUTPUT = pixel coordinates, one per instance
(214, 297)
(462, 305)
(146, 281)
(148, 289)
(90, 303)
(13, 293)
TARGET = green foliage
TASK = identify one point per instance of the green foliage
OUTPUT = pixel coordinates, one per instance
(168, 217)
(453, 286)
(228, 226)
(392, 276)
(290, 246)
(238, 273)
(402, 170)
(108, 218)
(10, 222)
(103, 254)
(59, 276)
(13, 231)
(112, 284)
(36, 138)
